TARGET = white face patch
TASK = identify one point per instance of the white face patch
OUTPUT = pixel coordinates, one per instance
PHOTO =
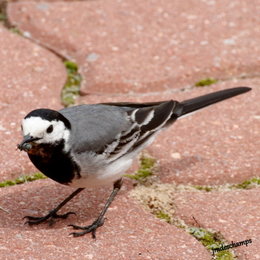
(37, 127)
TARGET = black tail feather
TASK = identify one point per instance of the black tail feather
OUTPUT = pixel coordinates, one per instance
(197, 103)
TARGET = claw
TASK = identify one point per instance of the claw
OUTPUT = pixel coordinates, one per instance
(88, 229)
(77, 227)
(93, 233)
(64, 216)
(31, 220)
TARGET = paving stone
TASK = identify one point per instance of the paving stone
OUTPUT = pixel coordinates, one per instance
(31, 77)
(153, 49)
(235, 214)
(132, 46)
(128, 233)
(216, 145)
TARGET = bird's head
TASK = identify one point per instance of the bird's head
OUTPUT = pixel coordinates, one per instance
(44, 126)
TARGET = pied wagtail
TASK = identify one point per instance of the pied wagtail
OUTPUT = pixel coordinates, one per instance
(91, 145)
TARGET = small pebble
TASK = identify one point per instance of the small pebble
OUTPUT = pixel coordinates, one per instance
(176, 156)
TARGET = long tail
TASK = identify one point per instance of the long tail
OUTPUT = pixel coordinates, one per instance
(191, 105)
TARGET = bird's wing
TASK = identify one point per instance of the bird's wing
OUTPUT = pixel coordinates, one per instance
(117, 128)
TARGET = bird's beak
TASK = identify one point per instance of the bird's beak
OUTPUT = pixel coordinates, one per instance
(26, 145)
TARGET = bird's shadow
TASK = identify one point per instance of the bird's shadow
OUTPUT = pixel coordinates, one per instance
(37, 200)
(169, 169)
(186, 162)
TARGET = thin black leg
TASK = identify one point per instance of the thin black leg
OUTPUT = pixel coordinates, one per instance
(100, 220)
(53, 213)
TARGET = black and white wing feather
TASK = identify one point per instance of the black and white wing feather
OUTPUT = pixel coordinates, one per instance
(145, 122)
(115, 129)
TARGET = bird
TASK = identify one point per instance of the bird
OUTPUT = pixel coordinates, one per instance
(91, 145)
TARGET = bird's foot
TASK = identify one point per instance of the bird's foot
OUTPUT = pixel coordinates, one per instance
(31, 220)
(88, 229)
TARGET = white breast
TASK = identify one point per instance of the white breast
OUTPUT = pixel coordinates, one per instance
(96, 173)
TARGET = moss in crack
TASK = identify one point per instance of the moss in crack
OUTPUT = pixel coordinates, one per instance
(205, 82)
(162, 215)
(15, 30)
(210, 240)
(158, 199)
(203, 188)
(247, 184)
(145, 170)
(71, 88)
(23, 179)
(3, 16)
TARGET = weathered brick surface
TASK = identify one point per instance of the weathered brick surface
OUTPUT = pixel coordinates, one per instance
(132, 46)
(235, 214)
(31, 77)
(129, 232)
(125, 48)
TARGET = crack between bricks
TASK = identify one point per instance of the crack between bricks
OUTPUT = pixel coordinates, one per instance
(65, 57)
(177, 222)
(158, 199)
(70, 91)
(160, 204)
(209, 238)
(23, 179)
(172, 91)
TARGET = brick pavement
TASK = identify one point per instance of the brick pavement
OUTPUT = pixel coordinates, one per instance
(137, 51)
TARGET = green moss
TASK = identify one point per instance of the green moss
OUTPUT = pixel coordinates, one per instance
(224, 255)
(164, 216)
(204, 236)
(2, 17)
(71, 88)
(22, 179)
(145, 170)
(71, 66)
(205, 188)
(247, 184)
(206, 82)
(7, 183)
(211, 241)
(15, 30)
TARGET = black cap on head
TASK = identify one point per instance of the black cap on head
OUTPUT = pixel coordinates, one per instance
(50, 115)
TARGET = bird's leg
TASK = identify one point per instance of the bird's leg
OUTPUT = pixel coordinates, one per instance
(53, 213)
(100, 220)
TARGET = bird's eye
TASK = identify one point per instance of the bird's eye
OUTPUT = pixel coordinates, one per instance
(49, 129)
